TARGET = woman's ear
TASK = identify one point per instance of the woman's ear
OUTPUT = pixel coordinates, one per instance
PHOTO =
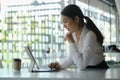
(76, 19)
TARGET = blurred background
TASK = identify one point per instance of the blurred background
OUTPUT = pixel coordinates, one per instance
(37, 23)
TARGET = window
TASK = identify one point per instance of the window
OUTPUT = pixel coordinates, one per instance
(30, 23)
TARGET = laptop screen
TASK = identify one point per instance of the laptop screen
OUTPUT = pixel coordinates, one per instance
(29, 52)
(33, 62)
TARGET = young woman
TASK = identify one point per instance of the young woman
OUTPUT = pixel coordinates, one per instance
(85, 41)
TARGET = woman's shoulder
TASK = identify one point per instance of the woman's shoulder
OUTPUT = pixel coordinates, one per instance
(90, 34)
(87, 31)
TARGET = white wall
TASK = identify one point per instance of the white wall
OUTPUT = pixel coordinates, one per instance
(98, 4)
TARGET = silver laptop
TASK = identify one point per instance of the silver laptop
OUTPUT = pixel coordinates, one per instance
(34, 63)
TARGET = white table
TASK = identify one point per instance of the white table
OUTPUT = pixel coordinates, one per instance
(69, 74)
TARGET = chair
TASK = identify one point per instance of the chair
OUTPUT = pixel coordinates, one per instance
(113, 48)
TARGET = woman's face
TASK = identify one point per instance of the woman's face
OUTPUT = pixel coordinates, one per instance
(69, 24)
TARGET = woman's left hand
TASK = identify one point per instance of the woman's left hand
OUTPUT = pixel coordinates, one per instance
(55, 65)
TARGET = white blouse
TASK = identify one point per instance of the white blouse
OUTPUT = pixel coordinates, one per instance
(85, 52)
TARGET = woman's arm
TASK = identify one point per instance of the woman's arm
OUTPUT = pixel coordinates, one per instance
(67, 61)
(89, 45)
(63, 64)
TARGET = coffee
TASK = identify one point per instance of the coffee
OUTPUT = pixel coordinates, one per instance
(17, 64)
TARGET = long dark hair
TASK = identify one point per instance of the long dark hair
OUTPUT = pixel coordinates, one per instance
(72, 11)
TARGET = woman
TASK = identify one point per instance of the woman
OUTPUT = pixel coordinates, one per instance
(85, 41)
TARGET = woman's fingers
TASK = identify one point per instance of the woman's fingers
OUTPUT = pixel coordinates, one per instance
(55, 65)
(58, 67)
(68, 37)
(51, 65)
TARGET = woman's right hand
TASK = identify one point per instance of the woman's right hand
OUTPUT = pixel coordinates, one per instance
(68, 37)
(55, 65)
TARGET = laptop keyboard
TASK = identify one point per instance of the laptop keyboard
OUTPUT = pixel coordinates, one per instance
(45, 70)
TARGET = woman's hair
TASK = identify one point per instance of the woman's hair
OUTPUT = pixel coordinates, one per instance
(72, 11)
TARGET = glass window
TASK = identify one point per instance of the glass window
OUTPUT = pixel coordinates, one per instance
(29, 23)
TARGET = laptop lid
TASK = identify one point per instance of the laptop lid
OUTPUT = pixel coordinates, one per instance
(32, 59)
(34, 62)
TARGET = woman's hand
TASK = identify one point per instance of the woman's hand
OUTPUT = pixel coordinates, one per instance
(55, 65)
(68, 37)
